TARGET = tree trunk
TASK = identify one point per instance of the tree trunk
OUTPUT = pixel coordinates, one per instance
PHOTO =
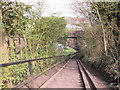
(3, 43)
(103, 30)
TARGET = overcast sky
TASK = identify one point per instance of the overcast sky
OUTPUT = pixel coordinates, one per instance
(53, 6)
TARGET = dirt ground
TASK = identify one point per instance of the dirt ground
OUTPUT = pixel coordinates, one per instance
(97, 77)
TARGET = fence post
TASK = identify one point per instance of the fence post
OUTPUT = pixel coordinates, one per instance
(50, 62)
(69, 57)
(30, 68)
(31, 73)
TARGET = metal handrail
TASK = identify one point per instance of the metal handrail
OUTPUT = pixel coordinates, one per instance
(30, 65)
(20, 62)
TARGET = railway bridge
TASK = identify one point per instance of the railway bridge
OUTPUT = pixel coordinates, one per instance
(66, 72)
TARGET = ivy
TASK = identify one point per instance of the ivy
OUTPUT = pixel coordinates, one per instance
(39, 38)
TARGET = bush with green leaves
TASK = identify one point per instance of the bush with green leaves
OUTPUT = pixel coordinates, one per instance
(39, 36)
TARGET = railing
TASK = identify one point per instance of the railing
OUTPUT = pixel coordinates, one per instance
(59, 59)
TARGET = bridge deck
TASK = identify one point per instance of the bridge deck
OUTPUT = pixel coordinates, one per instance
(67, 77)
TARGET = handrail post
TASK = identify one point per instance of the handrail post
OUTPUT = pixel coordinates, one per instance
(30, 68)
(31, 73)
(69, 57)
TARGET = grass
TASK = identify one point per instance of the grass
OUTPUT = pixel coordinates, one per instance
(68, 51)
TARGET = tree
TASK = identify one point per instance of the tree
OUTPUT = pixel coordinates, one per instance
(83, 10)
(109, 13)
(14, 19)
(39, 36)
(103, 38)
(3, 44)
(38, 9)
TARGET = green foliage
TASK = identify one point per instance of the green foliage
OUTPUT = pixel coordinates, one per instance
(67, 51)
(93, 51)
(39, 36)
(50, 27)
(109, 11)
(14, 18)
(94, 54)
